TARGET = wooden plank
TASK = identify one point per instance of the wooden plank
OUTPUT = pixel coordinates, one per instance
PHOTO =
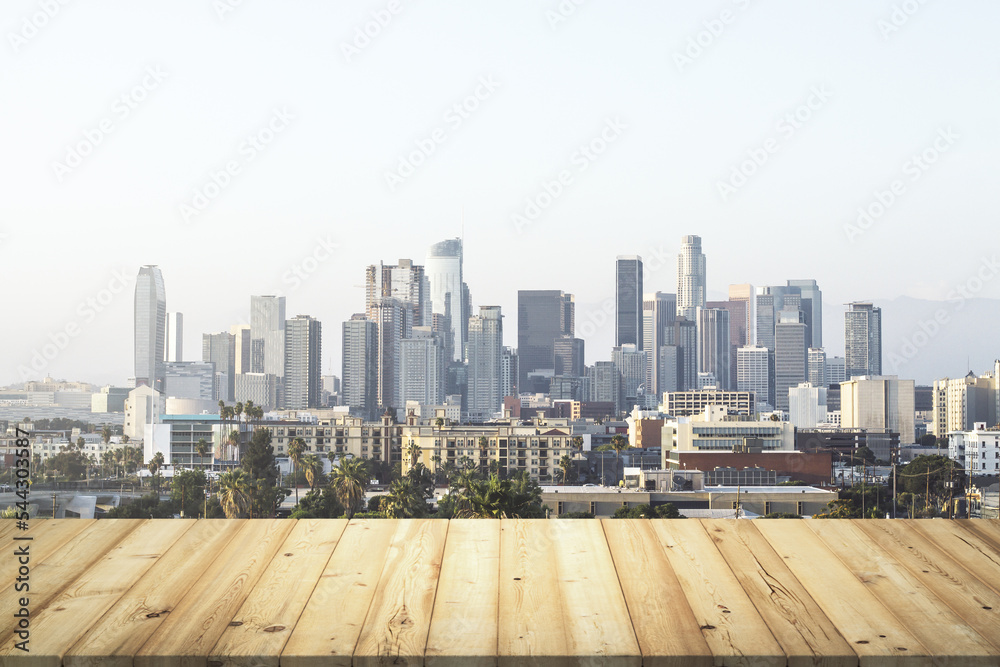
(66, 564)
(122, 631)
(664, 623)
(805, 633)
(345, 588)
(399, 618)
(974, 601)
(988, 530)
(59, 625)
(941, 630)
(261, 627)
(872, 631)
(732, 626)
(965, 547)
(192, 629)
(463, 627)
(47, 537)
(558, 604)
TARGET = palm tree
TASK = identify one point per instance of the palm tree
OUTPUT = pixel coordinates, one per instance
(202, 449)
(154, 465)
(234, 493)
(484, 444)
(350, 478)
(234, 442)
(618, 443)
(404, 500)
(295, 451)
(565, 463)
(314, 469)
(238, 412)
(106, 434)
(413, 451)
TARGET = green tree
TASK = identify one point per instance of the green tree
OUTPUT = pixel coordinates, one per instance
(319, 504)
(261, 467)
(518, 497)
(349, 481)
(202, 448)
(187, 490)
(234, 493)
(295, 451)
(155, 465)
(404, 500)
(312, 465)
(565, 463)
(929, 476)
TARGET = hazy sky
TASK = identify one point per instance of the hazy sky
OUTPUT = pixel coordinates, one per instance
(234, 142)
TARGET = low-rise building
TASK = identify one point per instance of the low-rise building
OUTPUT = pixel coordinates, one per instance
(978, 450)
(694, 402)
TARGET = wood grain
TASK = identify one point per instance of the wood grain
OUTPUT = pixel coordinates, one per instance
(732, 626)
(191, 631)
(262, 625)
(974, 601)
(941, 630)
(872, 631)
(464, 622)
(120, 633)
(988, 530)
(328, 629)
(556, 606)
(59, 625)
(399, 618)
(968, 549)
(47, 537)
(664, 623)
(805, 633)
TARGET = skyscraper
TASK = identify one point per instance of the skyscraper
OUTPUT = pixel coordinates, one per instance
(764, 321)
(508, 372)
(422, 368)
(443, 269)
(174, 337)
(150, 306)
(220, 349)
(303, 367)
(542, 317)
(812, 306)
(691, 279)
(817, 367)
(745, 292)
(405, 281)
(685, 337)
(631, 363)
(713, 344)
(360, 366)
(391, 316)
(568, 353)
(790, 357)
(485, 360)
(737, 310)
(267, 335)
(659, 311)
(628, 301)
(863, 339)
(753, 373)
(241, 335)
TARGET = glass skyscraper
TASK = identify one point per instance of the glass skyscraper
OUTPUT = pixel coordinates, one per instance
(863, 339)
(628, 301)
(150, 327)
(690, 278)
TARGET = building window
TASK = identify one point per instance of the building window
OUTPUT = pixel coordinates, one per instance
(767, 507)
(799, 506)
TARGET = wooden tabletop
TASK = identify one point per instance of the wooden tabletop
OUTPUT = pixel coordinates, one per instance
(509, 592)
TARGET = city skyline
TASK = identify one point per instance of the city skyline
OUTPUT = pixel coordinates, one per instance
(232, 161)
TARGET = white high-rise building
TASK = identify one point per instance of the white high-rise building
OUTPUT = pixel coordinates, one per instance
(303, 359)
(422, 367)
(691, 282)
(806, 405)
(150, 327)
(713, 344)
(359, 375)
(817, 366)
(753, 373)
(267, 335)
(659, 312)
(631, 363)
(882, 401)
(443, 269)
(391, 316)
(863, 339)
(508, 372)
(174, 337)
(485, 359)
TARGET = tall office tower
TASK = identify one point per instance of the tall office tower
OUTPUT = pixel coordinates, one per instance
(764, 322)
(691, 283)
(174, 337)
(806, 405)
(241, 336)
(508, 372)
(359, 374)
(150, 327)
(669, 370)
(441, 325)
(659, 311)
(303, 367)
(863, 339)
(881, 401)
(631, 363)
(422, 367)
(790, 358)
(443, 269)
(568, 353)
(745, 292)
(628, 301)
(189, 379)
(737, 331)
(836, 370)
(391, 317)
(606, 385)
(405, 281)
(713, 344)
(543, 316)
(812, 306)
(220, 349)
(267, 335)
(685, 337)
(816, 361)
(485, 359)
(753, 373)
